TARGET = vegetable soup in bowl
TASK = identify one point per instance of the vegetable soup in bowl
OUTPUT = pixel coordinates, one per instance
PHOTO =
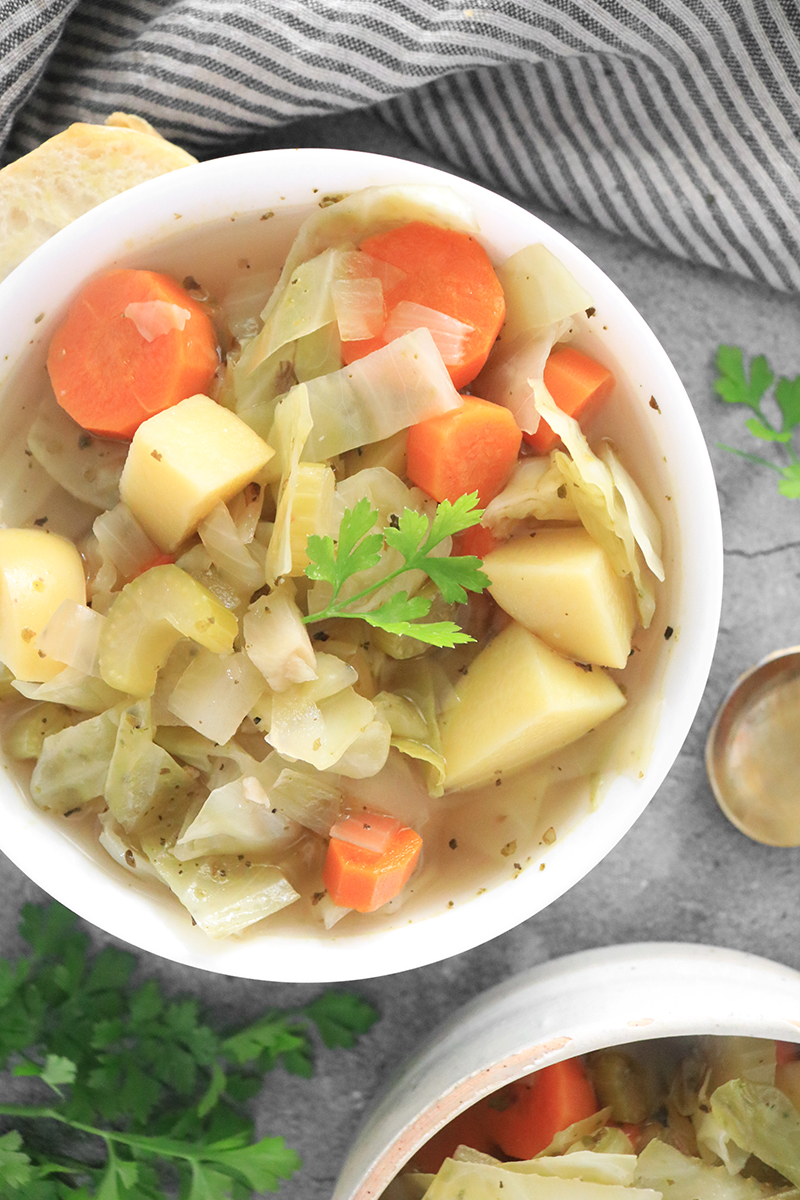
(360, 565)
(668, 1070)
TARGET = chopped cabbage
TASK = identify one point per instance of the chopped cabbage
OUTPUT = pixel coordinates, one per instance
(510, 372)
(73, 765)
(319, 733)
(293, 424)
(359, 308)
(536, 489)
(122, 848)
(399, 385)
(303, 305)
(644, 522)
(366, 755)
(318, 353)
(237, 819)
(73, 688)
(277, 641)
(142, 777)
(228, 552)
(539, 291)
(763, 1121)
(480, 1181)
(123, 541)
(679, 1177)
(581, 1164)
(216, 692)
(600, 506)
(25, 737)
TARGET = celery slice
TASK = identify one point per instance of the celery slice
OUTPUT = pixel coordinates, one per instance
(147, 619)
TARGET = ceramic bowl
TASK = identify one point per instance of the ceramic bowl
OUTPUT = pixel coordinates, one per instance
(583, 1002)
(201, 220)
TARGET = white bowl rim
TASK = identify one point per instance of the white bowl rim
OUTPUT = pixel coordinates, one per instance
(137, 219)
(572, 1005)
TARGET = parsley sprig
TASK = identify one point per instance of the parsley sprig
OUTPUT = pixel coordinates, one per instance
(142, 1097)
(735, 387)
(415, 538)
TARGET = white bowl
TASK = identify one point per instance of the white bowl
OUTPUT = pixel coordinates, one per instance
(216, 204)
(584, 1002)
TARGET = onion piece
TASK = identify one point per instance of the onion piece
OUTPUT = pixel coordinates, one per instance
(369, 831)
(124, 542)
(449, 335)
(154, 318)
(72, 636)
(227, 551)
(359, 308)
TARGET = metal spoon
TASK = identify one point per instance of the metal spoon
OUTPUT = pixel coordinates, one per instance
(753, 751)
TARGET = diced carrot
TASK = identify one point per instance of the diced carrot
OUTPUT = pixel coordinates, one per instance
(365, 880)
(528, 1114)
(467, 1129)
(786, 1052)
(575, 382)
(477, 540)
(448, 271)
(468, 449)
(111, 371)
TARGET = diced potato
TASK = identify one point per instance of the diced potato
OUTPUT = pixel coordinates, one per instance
(38, 570)
(519, 702)
(561, 586)
(183, 461)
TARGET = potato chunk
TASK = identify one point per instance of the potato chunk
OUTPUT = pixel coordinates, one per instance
(561, 586)
(183, 461)
(519, 702)
(38, 570)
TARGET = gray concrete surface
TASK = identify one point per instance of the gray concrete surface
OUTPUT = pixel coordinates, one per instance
(682, 872)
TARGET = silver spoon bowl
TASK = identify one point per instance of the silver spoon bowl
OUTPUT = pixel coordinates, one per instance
(753, 751)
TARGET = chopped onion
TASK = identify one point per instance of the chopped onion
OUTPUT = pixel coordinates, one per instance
(330, 913)
(367, 754)
(154, 318)
(369, 831)
(449, 335)
(359, 308)
(215, 693)
(308, 797)
(380, 394)
(124, 542)
(363, 266)
(72, 636)
(227, 551)
(319, 734)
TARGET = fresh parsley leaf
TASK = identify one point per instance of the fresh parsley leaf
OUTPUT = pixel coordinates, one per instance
(415, 538)
(150, 1080)
(735, 387)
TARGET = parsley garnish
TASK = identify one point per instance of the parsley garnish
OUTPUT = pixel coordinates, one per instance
(734, 386)
(142, 1098)
(414, 537)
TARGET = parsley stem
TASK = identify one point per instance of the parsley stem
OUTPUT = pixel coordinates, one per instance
(339, 610)
(764, 462)
(164, 1146)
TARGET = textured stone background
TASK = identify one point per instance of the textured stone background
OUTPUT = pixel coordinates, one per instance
(682, 873)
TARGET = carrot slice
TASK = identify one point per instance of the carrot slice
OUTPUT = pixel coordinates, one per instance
(526, 1116)
(448, 271)
(363, 879)
(111, 371)
(468, 449)
(575, 382)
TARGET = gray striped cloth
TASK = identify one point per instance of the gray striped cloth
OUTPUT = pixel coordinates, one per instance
(673, 121)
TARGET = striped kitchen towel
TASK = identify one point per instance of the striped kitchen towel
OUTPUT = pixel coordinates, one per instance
(674, 121)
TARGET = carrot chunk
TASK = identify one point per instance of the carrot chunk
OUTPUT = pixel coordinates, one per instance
(133, 343)
(366, 879)
(575, 382)
(445, 270)
(477, 540)
(468, 449)
(531, 1111)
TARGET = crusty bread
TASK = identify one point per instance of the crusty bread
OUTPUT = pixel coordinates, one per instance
(72, 172)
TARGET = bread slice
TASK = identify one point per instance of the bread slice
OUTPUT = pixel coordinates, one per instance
(72, 172)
